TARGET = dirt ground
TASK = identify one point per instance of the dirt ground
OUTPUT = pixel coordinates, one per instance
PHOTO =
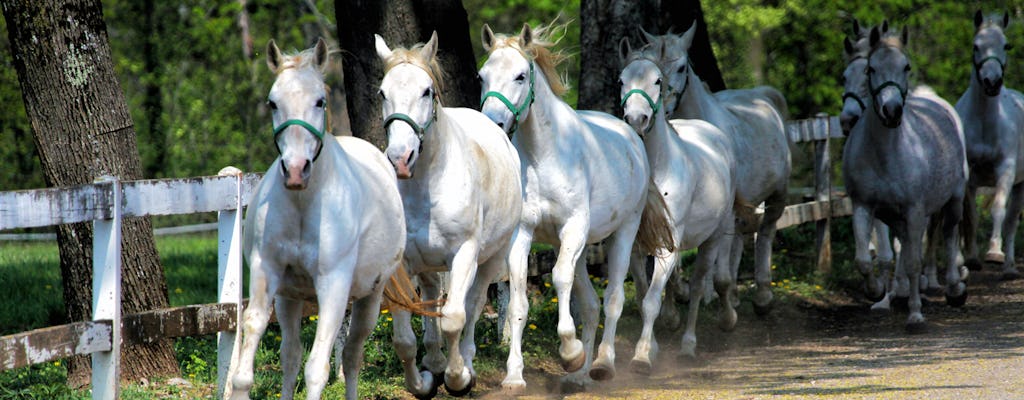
(837, 350)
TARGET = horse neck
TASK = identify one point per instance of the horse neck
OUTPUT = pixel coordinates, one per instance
(537, 131)
(697, 102)
(980, 103)
(438, 143)
(658, 140)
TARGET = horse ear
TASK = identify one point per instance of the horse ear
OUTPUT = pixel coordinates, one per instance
(383, 51)
(978, 19)
(273, 56)
(322, 58)
(1006, 19)
(876, 35)
(848, 46)
(687, 37)
(429, 50)
(526, 36)
(487, 38)
(904, 36)
(856, 28)
(885, 26)
(647, 36)
(624, 50)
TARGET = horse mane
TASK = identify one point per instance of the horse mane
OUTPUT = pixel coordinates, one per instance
(991, 21)
(890, 39)
(539, 51)
(413, 56)
(302, 59)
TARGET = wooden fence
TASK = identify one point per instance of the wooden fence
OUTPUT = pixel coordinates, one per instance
(109, 200)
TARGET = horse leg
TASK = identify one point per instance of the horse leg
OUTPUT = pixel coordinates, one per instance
(573, 238)
(647, 346)
(1004, 184)
(935, 240)
(718, 245)
(774, 206)
(638, 271)
(911, 235)
(884, 254)
(289, 316)
(874, 288)
(254, 322)
(458, 379)
(588, 308)
(1013, 210)
(614, 296)
(434, 360)
(969, 228)
(421, 384)
(705, 257)
(669, 317)
(518, 307)
(363, 318)
(332, 294)
(475, 300)
(956, 288)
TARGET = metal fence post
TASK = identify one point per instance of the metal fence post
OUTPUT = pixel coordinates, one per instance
(106, 294)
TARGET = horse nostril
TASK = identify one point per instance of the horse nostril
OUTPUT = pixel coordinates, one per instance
(306, 168)
(409, 159)
(501, 125)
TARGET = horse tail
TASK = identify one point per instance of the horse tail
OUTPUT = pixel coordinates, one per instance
(747, 220)
(655, 223)
(400, 293)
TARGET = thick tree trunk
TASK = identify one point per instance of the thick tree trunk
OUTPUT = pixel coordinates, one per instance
(603, 23)
(678, 15)
(401, 23)
(83, 130)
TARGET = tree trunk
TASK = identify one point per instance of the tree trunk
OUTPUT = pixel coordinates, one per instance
(603, 23)
(401, 23)
(678, 15)
(83, 130)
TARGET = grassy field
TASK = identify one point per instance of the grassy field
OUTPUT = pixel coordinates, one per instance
(31, 271)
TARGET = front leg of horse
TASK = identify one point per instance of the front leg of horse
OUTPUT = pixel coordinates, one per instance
(254, 324)
(588, 308)
(332, 292)
(1004, 185)
(701, 267)
(1013, 209)
(434, 360)
(518, 307)
(289, 317)
(364, 318)
(910, 257)
(458, 379)
(775, 205)
(969, 228)
(573, 238)
(862, 220)
(647, 345)
(421, 384)
(621, 242)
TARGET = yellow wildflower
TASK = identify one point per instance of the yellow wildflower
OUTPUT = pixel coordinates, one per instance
(532, 327)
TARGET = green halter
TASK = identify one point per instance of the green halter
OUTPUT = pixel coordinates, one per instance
(516, 111)
(655, 106)
(312, 129)
(420, 130)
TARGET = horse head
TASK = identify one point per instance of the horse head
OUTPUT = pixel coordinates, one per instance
(409, 95)
(673, 53)
(642, 85)
(298, 104)
(990, 49)
(888, 70)
(507, 76)
(855, 89)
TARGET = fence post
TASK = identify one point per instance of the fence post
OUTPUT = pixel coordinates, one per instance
(823, 193)
(229, 281)
(106, 294)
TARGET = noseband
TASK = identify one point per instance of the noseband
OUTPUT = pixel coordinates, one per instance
(878, 90)
(517, 112)
(979, 64)
(420, 130)
(310, 128)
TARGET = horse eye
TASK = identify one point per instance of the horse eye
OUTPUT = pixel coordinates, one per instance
(426, 93)
(272, 104)
(382, 96)
(479, 78)
(1007, 47)
(521, 77)
(907, 68)
(658, 82)
(622, 83)
(320, 103)
(682, 69)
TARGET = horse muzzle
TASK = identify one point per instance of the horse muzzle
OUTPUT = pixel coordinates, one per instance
(296, 173)
(640, 122)
(403, 163)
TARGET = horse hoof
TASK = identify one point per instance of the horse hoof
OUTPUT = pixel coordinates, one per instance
(432, 380)
(995, 257)
(640, 367)
(460, 392)
(727, 319)
(569, 387)
(973, 264)
(762, 310)
(917, 327)
(513, 388)
(1010, 275)
(901, 303)
(599, 371)
(933, 290)
(880, 310)
(957, 301)
(575, 364)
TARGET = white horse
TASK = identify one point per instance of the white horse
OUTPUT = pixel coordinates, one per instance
(586, 179)
(461, 187)
(905, 164)
(753, 118)
(693, 166)
(993, 118)
(325, 224)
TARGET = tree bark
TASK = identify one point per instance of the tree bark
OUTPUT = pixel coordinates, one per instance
(401, 23)
(83, 130)
(603, 23)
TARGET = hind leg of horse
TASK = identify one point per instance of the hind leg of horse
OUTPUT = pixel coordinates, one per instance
(956, 288)
(884, 257)
(518, 307)
(647, 345)
(420, 383)
(675, 289)
(1011, 222)
(463, 272)
(332, 294)
(862, 220)
(475, 300)
(638, 271)
(254, 323)
(364, 317)
(573, 238)
(289, 316)
(1004, 185)
(614, 297)
(700, 269)
(339, 345)
(969, 228)
(588, 309)
(434, 360)
(719, 247)
(775, 205)
(936, 239)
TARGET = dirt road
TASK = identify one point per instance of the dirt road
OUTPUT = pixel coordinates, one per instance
(834, 351)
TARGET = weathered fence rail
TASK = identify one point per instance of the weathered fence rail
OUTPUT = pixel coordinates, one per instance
(108, 200)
